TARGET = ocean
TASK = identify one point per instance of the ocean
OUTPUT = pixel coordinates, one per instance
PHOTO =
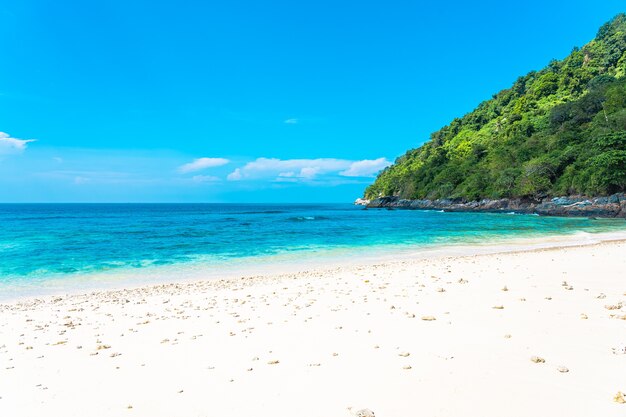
(46, 247)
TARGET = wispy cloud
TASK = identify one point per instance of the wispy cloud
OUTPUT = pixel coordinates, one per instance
(9, 145)
(202, 163)
(366, 168)
(292, 121)
(293, 170)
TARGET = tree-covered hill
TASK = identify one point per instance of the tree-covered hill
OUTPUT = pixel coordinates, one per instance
(558, 131)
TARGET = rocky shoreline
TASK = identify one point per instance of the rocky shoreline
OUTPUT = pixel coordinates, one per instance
(613, 206)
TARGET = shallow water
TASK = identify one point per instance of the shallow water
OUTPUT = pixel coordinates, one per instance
(45, 243)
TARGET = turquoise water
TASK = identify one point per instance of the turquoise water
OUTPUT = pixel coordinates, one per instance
(41, 243)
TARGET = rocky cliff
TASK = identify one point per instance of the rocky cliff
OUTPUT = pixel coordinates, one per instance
(613, 206)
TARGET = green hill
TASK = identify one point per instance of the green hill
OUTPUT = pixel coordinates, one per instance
(558, 131)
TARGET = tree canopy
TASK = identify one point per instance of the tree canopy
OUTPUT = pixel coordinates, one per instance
(558, 131)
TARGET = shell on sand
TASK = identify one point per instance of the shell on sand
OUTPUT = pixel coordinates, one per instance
(366, 412)
(537, 359)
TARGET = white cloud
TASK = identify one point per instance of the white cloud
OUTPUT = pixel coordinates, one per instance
(9, 145)
(235, 175)
(202, 163)
(309, 172)
(306, 169)
(291, 121)
(365, 168)
(274, 167)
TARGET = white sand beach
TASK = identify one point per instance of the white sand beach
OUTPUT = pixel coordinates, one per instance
(530, 333)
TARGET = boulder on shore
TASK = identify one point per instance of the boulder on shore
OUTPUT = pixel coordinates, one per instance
(613, 206)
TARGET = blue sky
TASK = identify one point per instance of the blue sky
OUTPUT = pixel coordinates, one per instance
(246, 101)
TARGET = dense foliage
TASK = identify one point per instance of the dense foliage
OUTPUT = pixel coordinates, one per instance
(558, 131)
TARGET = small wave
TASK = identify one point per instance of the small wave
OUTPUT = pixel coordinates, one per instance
(306, 218)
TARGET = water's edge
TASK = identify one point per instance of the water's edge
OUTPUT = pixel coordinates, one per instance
(148, 277)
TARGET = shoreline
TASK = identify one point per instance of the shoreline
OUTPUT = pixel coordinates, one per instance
(269, 267)
(518, 333)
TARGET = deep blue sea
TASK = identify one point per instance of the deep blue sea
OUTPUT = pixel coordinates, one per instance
(54, 243)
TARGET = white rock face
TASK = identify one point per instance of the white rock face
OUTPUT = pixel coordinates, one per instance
(361, 202)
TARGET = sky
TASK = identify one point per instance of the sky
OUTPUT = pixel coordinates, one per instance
(248, 101)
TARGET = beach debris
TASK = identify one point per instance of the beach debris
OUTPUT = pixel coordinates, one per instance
(620, 398)
(507, 336)
(619, 350)
(115, 354)
(407, 367)
(366, 412)
(498, 307)
(129, 406)
(548, 298)
(537, 359)
(335, 354)
(562, 369)
(617, 306)
(462, 281)
(505, 288)
(428, 318)
(102, 347)
(273, 362)
(440, 289)
(601, 296)
(404, 354)
(583, 316)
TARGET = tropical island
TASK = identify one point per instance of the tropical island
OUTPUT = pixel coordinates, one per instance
(304, 307)
(551, 143)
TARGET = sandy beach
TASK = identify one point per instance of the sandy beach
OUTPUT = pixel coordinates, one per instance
(529, 333)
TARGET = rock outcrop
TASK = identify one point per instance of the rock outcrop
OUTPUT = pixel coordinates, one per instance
(613, 206)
